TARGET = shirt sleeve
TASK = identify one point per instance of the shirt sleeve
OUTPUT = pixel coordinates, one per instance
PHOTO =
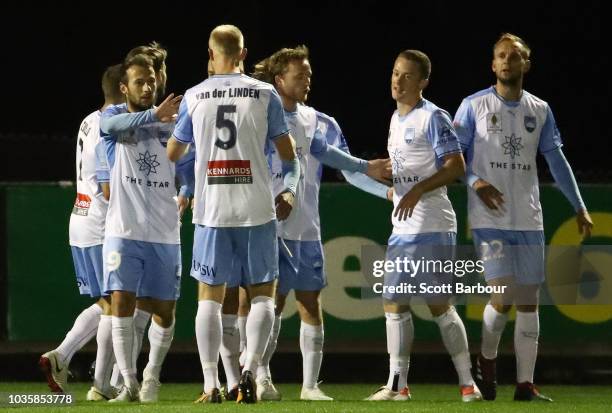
(126, 121)
(441, 134)
(327, 132)
(329, 146)
(277, 124)
(185, 172)
(465, 124)
(564, 177)
(109, 112)
(102, 167)
(550, 138)
(183, 131)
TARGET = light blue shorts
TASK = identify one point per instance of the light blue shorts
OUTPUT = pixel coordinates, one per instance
(439, 246)
(235, 255)
(305, 271)
(89, 270)
(517, 254)
(148, 269)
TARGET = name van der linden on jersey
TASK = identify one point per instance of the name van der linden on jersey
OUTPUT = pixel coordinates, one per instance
(235, 92)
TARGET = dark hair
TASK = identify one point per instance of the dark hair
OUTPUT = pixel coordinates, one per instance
(142, 60)
(277, 64)
(154, 50)
(110, 83)
(419, 58)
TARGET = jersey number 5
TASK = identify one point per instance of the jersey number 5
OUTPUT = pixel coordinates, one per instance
(222, 122)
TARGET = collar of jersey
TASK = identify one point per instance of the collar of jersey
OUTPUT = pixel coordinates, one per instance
(511, 103)
(419, 105)
(227, 74)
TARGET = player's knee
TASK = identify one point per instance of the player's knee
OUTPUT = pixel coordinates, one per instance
(123, 303)
(309, 308)
(164, 318)
(438, 309)
(231, 301)
(105, 305)
(244, 303)
(280, 304)
(265, 289)
(395, 308)
(311, 315)
(502, 308)
(527, 308)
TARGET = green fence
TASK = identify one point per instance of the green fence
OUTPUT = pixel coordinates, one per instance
(43, 298)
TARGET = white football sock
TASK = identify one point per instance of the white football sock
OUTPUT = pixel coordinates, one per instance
(141, 319)
(311, 345)
(160, 339)
(230, 349)
(455, 341)
(116, 379)
(83, 330)
(123, 343)
(526, 333)
(493, 324)
(104, 354)
(258, 329)
(242, 320)
(209, 333)
(263, 370)
(400, 335)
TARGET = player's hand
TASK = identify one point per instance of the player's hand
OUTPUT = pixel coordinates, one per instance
(379, 169)
(183, 204)
(168, 109)
(585, 223)
(284, 205)
(406, 205)
(488, 194)
(390, 193)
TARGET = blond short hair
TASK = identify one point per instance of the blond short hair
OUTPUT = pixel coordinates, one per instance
(227, 40)
(525, 49)
(278, 63)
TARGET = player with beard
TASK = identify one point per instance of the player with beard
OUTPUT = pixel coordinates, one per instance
(501, 129)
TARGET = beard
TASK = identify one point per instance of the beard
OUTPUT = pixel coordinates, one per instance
(140, 106)
(511, 81)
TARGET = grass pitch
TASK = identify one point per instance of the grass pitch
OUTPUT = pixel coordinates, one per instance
(426, 398)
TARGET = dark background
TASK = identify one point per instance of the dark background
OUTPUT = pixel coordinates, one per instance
(54, 55)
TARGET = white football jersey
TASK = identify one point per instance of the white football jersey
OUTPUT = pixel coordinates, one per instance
(233, 119)
(303, 222)
(86, 226)
(417, 143)
(502, 139)
(142, 205)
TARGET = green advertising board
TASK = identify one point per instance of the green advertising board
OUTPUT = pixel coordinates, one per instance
(43, 298)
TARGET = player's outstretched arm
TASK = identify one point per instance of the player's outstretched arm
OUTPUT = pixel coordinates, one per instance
(367, 184)
(285, 146)
(334, 157)
(452, 169)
